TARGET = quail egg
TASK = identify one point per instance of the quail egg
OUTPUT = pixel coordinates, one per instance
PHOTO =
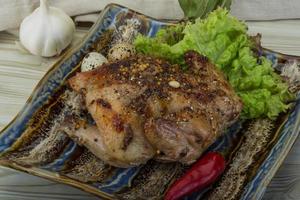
(121, 51)
(92, 60)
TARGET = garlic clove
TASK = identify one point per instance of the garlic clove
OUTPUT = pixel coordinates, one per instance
(92, 60)
(174, 84)
(46, 31)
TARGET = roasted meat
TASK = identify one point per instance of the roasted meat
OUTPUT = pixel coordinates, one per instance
(87, 135)
(145, 107)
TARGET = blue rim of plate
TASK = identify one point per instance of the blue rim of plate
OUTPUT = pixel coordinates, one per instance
(56, 75)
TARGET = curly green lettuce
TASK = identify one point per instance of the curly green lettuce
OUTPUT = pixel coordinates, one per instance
(160, 45)
(224, 40)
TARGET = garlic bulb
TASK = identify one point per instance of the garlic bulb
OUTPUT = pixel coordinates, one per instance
(46, 31)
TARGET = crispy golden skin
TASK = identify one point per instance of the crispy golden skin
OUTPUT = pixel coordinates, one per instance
(145, 107)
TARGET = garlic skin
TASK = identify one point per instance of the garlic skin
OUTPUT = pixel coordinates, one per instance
(92, 60)
(46, 31)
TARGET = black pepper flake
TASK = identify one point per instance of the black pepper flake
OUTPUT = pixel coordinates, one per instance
(103, 103)
(92, 102)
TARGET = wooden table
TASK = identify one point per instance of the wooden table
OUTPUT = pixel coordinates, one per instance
(20, 72)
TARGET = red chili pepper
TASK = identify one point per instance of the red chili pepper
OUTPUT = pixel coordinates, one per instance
(202, 174)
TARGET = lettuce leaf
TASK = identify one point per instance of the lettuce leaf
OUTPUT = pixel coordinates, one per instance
(224, 40)
(160, 45)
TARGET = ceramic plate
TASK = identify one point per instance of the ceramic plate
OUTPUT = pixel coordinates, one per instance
(254, 149)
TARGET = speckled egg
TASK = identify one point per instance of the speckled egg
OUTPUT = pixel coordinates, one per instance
(120, 51)
(92, 60)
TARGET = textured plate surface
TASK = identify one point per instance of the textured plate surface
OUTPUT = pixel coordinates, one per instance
(30, 143)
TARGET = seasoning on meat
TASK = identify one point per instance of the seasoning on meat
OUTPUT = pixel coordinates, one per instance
(174, 112)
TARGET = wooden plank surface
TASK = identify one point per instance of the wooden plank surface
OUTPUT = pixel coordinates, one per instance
(20, 72)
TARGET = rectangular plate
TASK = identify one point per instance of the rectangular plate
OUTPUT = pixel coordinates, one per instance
(29, 144)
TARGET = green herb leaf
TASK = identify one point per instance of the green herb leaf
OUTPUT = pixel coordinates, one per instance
(200, 8)
(224, 40)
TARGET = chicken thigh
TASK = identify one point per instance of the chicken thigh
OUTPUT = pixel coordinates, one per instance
(146, 108)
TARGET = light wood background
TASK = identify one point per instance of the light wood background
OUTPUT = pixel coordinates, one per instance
(20, 72)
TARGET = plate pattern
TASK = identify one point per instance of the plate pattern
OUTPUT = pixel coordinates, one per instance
(30, 144)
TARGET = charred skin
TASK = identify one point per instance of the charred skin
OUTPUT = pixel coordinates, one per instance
(140, 115)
